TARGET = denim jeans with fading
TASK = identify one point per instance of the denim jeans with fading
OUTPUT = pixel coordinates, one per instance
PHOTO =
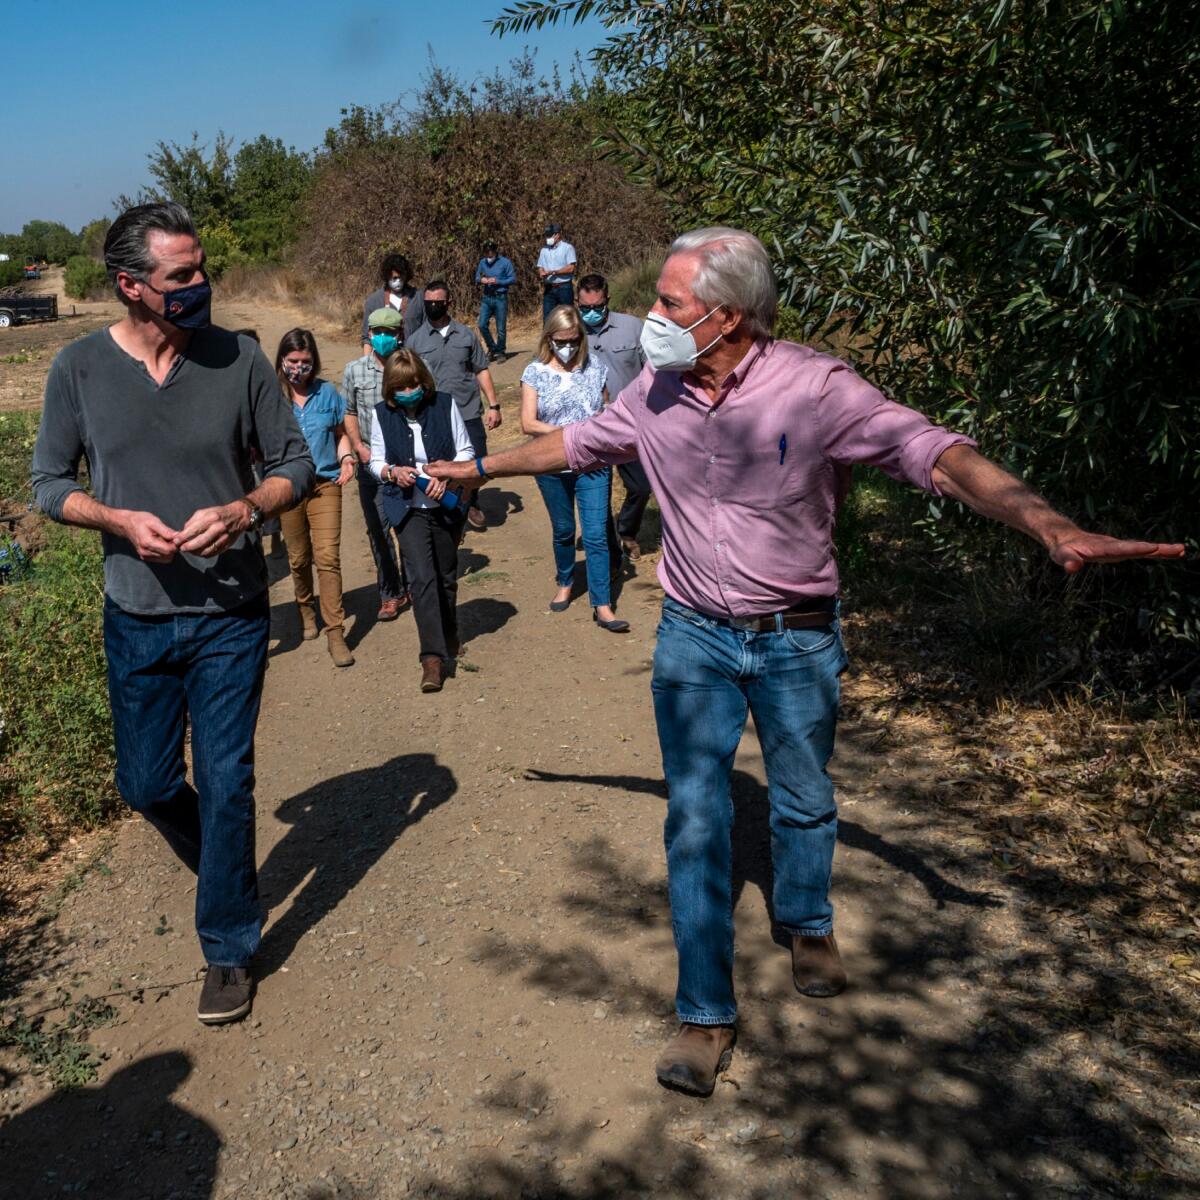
(591, 491)
(707, 676)
(494, 307)
(206, 668)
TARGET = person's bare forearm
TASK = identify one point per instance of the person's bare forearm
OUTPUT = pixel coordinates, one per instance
(273, 495)
(962, 473)
(88, 513)
(535, 457)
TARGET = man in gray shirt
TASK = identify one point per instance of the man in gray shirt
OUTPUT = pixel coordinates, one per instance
(616, 340)
(166, 408)
(459, 366)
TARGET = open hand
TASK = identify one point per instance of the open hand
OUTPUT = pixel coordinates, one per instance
(209, 531)
(153, 541)
(1075, 550)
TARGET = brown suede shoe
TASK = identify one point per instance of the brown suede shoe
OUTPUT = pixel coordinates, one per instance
(338, 650)
(817, 966)
(694, 1058)
(389, 610)
(308, 622)
(433, 672)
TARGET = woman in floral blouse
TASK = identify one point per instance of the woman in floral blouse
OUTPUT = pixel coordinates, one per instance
(561, 386)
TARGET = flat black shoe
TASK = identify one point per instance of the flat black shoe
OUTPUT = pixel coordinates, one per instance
(560, 605)
(225, 996)
(614, 626)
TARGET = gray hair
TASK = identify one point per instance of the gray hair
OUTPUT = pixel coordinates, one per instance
(125, 245)
(734, 271)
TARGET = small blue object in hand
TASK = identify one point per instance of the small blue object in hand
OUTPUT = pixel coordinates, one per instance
(782, 447)
(449, 499)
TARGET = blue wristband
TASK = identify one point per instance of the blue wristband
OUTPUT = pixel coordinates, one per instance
(479, 466)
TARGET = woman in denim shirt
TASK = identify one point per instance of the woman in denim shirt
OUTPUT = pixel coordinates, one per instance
(561, 386)
(313, 528)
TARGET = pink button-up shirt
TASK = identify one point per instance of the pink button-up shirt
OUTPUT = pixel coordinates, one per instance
(748, 487)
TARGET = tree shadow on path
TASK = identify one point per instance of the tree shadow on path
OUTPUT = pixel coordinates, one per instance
(341, 827)
(125, 1138)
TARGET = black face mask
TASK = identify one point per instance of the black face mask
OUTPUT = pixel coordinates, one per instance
(435, 310)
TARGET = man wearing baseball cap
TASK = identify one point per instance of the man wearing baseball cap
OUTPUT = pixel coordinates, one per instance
(556, 269)
(362, 387)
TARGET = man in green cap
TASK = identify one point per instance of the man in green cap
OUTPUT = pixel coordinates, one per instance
(362, 386)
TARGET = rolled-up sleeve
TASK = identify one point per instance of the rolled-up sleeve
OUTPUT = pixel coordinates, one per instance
(58, 449)
(349, 391)
(860, 425)
(285, 452)
(607, 439)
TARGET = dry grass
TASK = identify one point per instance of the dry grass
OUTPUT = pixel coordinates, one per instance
(285, 288)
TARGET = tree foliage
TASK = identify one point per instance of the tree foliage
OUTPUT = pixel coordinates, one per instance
(495, 158)
(995, 198)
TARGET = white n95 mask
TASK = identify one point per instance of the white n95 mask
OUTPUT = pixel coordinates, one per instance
(670, 347)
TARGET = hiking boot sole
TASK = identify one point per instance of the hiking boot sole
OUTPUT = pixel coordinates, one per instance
(682, 1083)
(225, 1018)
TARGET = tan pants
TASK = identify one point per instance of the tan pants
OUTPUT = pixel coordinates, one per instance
(313, 532)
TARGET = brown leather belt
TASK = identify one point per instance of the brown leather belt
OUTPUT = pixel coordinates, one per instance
(801, 617)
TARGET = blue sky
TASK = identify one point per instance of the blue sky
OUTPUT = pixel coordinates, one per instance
(99, 82)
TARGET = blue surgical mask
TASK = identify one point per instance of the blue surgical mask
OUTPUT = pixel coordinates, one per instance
(594, 317)
(384, 343)
(409, 399)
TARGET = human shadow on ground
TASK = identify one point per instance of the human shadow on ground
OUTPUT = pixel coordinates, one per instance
(482, 615)
(362, 605)
(498, 505)
(285, 626)
(752, 841)
(126, 1137)
(341, 828)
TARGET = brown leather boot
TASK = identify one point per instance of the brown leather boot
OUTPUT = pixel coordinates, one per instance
(694, 1058)
(308, 622)
(817, 966)
(338, 650)
(433, 672)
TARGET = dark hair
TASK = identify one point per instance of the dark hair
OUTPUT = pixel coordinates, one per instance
(125, 244)
(593, 283)
(489, 246)
(438, 285)
(296, 339)
(395, 264)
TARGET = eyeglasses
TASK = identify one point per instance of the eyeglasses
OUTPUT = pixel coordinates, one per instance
(592, 308)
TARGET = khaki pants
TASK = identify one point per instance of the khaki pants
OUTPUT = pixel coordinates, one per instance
(313, 532)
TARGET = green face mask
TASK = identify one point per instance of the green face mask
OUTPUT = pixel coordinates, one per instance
(409, 399)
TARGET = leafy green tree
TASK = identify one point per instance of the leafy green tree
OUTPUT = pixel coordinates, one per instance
(50, 240)
(91, 237)
(84, 277)
(991, 198)
(269, 183)
(222, 248)
(192, 175)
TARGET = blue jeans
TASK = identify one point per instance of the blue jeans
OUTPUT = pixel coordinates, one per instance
(554, 295)
(207, 668)
(389, 573)
(592, 492)
(707, 675)
(497, 307)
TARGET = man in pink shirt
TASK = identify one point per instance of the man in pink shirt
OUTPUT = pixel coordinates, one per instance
(748, 442)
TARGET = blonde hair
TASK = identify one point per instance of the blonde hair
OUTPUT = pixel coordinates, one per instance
(403, 370)
(562, 319)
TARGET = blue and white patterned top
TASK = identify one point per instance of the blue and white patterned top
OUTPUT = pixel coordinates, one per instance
(567, 397)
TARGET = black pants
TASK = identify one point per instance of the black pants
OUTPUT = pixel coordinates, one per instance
(478, 435)
(637, 496)
(429, 543)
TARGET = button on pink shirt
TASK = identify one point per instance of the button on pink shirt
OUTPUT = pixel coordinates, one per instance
(743, 533)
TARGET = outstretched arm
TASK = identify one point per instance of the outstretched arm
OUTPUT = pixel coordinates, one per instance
(535, 457)
(964, 474)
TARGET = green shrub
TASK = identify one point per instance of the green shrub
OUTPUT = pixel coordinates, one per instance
(633, 289)
(56, 758)
(83, 277)
(11, 273)
(222, 248)
(18, 431)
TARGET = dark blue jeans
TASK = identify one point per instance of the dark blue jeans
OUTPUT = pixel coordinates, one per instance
(592, 492)
(707, 676)
(389, 569)
(494, 307)
(207, 668)
(554, 295)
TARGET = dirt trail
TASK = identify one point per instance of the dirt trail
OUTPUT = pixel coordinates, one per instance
(468, 967)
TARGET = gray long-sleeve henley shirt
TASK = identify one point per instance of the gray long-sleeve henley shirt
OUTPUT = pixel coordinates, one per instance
(168, 450)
